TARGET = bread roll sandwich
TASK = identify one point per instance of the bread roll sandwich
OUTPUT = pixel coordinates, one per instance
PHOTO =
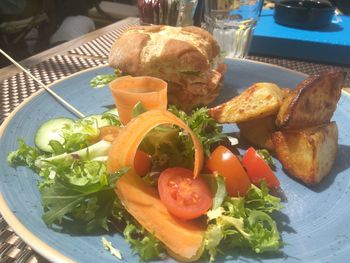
(186, 57)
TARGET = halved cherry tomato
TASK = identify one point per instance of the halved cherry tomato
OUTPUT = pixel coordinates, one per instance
(258, 169)
(184, 196)
(227, 164)
(142, 163)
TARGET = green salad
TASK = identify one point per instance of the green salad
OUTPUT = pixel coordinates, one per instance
(78, 193)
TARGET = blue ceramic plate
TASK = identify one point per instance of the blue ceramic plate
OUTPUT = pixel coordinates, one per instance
(315, 223)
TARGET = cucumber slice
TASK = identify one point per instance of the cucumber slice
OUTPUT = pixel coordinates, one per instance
(98, 120)
(50, 130)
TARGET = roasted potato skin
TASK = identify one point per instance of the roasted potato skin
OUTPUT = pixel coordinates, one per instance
(259, 132)
(294, 123)
(307, 154)
(258, 101)
(313, 102)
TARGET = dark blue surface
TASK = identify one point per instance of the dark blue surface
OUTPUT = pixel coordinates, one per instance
(330, 44)
(315, 221)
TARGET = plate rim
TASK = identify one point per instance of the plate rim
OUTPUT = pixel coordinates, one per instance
(30, 238)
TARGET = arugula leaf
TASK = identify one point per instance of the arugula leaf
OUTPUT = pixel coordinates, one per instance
(82, 192)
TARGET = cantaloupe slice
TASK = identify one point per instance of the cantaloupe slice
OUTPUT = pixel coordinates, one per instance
(183, 239)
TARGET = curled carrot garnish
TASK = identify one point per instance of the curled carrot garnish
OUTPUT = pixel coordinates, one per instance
(128, 91)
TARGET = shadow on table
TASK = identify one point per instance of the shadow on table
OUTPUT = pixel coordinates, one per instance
(331, 28)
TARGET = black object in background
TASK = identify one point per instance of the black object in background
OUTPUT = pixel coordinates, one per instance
(304, 13)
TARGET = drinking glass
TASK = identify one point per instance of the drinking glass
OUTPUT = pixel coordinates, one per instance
(232, 23)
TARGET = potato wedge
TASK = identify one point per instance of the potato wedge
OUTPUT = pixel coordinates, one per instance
(258, 101)
(313, 101)
(259, 132)
(307, 154)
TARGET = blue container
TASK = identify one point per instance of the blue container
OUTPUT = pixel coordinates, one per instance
(330, 44)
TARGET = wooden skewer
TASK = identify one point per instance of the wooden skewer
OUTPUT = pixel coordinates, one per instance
(54, 94)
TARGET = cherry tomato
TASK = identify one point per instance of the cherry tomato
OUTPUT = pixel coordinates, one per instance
(223, 161)
(184, 196)
(258, 169)
(142, 163)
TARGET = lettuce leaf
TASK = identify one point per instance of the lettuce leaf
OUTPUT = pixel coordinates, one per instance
(101, 81)
(168, 149)
(114, 251)
(138, 109)
(145, 244)
(79, 135)
(244, 222)
(25, 155)
(113, 119)
(217, 186)
(205, 127)
(260, 199)
(169, 146)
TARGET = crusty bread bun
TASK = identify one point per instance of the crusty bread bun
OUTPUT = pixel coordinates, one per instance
(185, 57)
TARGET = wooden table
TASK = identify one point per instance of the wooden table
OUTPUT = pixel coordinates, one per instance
(84, 52)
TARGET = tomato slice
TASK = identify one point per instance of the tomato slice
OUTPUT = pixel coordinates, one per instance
(184, 196)
(258, 169)
(223, 161)
(142, 163)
